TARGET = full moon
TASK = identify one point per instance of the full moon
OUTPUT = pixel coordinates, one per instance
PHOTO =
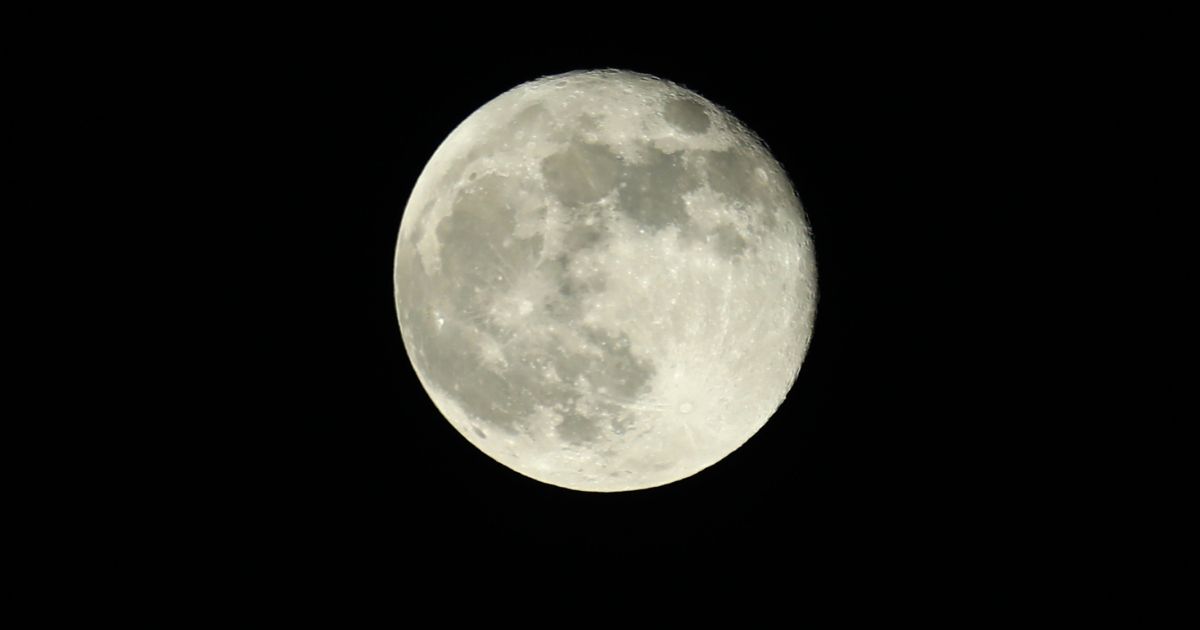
(604, 281)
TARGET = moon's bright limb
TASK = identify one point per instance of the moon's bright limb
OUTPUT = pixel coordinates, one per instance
(604, 281)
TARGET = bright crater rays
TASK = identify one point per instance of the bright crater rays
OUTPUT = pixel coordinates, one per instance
(604, 281)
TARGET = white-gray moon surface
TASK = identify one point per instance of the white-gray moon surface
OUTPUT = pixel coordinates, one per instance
(604, 281)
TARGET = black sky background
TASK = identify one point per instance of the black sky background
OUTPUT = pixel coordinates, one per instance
(897, 468)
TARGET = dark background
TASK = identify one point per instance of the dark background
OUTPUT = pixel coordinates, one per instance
(895, 471)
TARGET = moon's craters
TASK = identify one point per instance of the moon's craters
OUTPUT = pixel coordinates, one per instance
(738, 176)
(687, 115)
(652, 191)
(588, 281)
(728, 241)
(581, 173)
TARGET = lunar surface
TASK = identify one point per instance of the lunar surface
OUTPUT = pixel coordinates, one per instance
(604, 281)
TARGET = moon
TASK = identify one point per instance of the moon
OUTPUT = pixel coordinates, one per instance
(604, 281)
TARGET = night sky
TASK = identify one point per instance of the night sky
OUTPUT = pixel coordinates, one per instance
(890, 472)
